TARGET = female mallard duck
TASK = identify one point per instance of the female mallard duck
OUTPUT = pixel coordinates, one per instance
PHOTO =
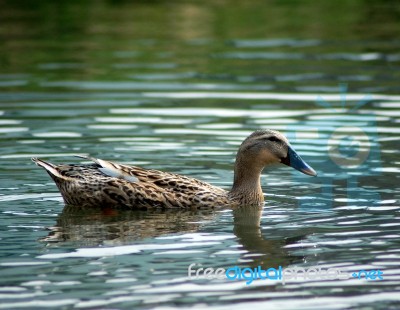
(108, 184)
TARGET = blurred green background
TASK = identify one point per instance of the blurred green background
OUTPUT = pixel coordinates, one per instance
(87, 32)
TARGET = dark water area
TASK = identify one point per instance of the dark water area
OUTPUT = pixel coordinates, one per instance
(176, 86)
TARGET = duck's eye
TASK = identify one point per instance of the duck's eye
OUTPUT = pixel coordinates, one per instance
(273, 139)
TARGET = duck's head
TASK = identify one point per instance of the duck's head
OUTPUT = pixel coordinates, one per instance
(266, 147)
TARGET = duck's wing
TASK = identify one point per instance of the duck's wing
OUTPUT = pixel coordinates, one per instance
(170, 181)
(113, 170)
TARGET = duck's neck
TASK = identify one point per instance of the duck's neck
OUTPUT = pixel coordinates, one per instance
(246, 182)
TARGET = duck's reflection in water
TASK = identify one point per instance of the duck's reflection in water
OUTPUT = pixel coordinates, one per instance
(96, 226)
(93, 227)
(261, 251)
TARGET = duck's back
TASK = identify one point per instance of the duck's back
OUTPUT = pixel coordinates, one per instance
(108, 184)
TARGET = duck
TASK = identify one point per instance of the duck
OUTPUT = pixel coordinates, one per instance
(107, 184)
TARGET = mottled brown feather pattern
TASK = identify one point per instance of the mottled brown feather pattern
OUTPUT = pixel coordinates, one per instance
(87, 185)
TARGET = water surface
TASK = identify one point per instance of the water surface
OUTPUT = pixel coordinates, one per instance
(177, 86)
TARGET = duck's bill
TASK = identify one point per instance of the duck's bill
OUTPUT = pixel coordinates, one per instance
(295, 161)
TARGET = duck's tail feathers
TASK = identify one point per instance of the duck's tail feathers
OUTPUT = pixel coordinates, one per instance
(52, 169)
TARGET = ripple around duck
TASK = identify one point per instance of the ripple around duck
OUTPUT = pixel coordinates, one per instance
(390, 105)
(30, 155)
(152, 86)
(164, 76)
(257, 43)
(10, 122)
(13, 83)
(60, 134)
(141, 65)
(144, 120)
(122, 250)
(37, 303)
(266, 96)
(111, 127)
(13, 129)
(303, 56)
(222, 113)
(25, 196)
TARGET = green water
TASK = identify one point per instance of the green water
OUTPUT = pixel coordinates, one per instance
(177, 86)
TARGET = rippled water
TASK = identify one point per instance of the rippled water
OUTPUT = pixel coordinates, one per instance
(181, 99)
